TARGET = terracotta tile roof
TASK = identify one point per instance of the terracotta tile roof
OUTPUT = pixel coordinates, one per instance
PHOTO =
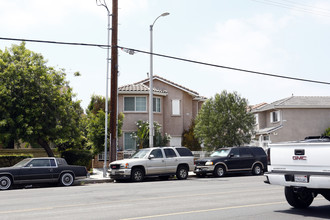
(170, 83)
(139, 88)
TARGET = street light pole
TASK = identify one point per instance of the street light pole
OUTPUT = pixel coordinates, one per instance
(151, 113)
(104, 4)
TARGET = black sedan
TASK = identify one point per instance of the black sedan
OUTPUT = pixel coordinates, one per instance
(41, 170)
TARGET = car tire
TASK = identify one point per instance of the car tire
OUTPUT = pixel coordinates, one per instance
(182, 172)
(66, 179)
(257, 169)
(219, 171)
(137, 175)
(299, 200)
(5, 182)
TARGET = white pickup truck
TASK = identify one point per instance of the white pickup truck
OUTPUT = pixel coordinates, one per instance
(302, 167)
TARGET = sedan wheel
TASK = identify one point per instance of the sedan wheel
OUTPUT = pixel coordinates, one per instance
(67, 179)
(5, 182)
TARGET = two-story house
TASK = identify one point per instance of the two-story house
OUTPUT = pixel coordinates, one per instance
(174, 108)
(291, 119)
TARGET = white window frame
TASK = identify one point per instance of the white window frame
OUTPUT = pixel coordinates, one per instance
(157, 103)
(145, 107)
(277, 118)
(176, 107)
(256, 117)
(124, 141)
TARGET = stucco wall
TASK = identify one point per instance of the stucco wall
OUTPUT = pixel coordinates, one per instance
(300, 123)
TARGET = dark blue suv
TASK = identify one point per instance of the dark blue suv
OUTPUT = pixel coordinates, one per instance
(234, 159)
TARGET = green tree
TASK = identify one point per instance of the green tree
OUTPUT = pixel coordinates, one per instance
(326, 132)
(36, 102)
(189, 138)
(142, 135)
(96, 124)
(224, 121)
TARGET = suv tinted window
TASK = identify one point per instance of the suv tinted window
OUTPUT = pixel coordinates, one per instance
(234, 152)
(258, 151)
(169, 153)
(184, 152)
(245, 152)
(157, 153)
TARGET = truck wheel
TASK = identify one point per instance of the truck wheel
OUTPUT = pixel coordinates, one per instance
(5, 182)
(66, 179)
(257, 169)
(137, 175)
(219, 171)
(299, 200)
(182, 172)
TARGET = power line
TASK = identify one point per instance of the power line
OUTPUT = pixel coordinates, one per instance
(132, 51)
(297, 7)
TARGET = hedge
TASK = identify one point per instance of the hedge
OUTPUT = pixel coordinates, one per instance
(10, 160)
(78, 157)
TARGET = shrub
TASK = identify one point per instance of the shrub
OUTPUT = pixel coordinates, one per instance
(10, 160)
(78, 157)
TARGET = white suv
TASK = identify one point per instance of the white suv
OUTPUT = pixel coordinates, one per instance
(158, 161)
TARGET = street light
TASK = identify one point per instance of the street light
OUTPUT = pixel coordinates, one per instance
(104, 4)
(151, 111)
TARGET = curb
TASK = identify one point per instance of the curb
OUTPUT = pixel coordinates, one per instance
(106, 180)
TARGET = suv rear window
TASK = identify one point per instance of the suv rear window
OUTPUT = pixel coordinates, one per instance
(184, 152)
(258, 151)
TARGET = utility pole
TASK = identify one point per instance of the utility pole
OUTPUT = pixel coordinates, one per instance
(114, 82)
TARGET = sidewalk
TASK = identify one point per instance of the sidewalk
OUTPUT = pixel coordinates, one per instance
(97, 177)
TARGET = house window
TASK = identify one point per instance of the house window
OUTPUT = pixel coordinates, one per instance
(129, 141)
(175, 107)
(135, 104)
(156, 104)
(275, 116)
(256, 118)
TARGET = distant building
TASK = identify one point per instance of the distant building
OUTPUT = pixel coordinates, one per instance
(291, 119)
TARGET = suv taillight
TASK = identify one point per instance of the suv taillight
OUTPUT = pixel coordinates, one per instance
(268, 156)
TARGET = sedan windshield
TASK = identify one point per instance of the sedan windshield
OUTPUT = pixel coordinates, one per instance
(140, 153)
(220, 153)
(22, 163)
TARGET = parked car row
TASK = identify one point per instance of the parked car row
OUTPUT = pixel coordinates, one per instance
(164, 162)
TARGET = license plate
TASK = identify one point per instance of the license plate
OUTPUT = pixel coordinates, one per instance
(301, 178)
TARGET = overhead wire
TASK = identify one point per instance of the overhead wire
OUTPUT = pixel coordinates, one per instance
(296, 7)
(132, 50)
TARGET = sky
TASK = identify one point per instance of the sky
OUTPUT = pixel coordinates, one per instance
(281, 37)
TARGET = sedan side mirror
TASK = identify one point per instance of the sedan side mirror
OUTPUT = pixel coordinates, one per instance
(151, 156)
(231, 155)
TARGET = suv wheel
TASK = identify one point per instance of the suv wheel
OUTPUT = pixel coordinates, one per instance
(137, 175)
(182, 172)
(219, 171)
(257, 170)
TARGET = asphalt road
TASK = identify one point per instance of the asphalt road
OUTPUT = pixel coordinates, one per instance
(235, 197)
